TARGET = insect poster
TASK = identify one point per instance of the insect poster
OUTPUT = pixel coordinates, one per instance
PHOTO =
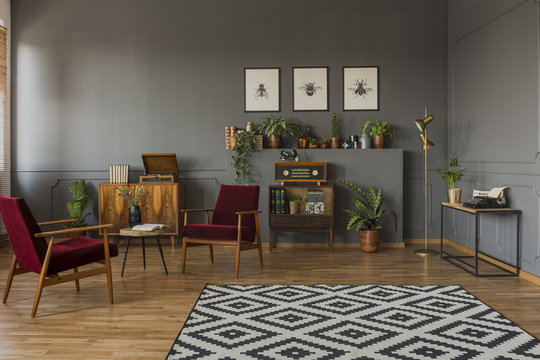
(310, 89)
(261, 89)
(361, 88)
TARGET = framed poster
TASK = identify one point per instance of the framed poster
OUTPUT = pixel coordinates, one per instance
(261, 89)
(310, 88)
(361, 88)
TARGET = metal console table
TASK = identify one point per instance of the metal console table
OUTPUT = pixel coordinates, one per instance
(458, 259)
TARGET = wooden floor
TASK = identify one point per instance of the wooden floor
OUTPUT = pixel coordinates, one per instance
(151, 307)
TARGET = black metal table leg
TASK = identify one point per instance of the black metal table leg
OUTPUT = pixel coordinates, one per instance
(476, 243)
(518, 262)
(125, 256)
(161, 253)
(442, 219)
(143, 253)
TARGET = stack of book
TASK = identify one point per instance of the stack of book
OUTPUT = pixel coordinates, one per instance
(118, 174)
(314, 203)
(279, 201)
(229, 133)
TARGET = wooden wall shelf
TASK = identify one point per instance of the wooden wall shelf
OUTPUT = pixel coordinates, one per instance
(302, 222)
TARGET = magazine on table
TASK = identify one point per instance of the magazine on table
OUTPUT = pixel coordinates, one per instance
(148, 227)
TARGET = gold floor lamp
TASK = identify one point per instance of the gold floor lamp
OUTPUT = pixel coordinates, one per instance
(426, 144)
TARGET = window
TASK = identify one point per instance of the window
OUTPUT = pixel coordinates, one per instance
(4, 123)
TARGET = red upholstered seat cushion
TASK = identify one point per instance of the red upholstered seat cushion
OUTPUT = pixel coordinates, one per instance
(217, 232)
(77, 252)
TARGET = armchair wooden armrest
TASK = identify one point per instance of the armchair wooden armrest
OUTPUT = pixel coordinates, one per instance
(72, 230)
(55, 222)
(248, 212)
(195, 210)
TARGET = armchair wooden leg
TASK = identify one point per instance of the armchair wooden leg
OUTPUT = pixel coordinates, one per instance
(108, 266)
(259, 245)
(238, 248)
(10, 278)
(39, 290)
(184, 248)
(77, 285)
(211, 253)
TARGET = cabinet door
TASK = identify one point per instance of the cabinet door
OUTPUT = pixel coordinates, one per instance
(159, 206)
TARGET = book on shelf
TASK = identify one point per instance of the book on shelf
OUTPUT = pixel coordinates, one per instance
(278, 201)
(315, 207)
(148, 227)
(273, 201)
(284, 202)
(314, 196)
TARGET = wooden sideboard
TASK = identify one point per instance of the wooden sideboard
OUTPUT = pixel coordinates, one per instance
(161, 205)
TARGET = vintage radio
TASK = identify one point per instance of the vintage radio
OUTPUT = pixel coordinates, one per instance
(159, 168)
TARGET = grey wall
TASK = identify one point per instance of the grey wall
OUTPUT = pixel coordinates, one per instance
(100, 82)
(493, 112)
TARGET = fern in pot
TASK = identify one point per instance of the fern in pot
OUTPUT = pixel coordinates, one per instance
(366, 216)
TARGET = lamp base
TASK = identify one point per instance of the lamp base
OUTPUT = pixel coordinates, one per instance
(425, 252)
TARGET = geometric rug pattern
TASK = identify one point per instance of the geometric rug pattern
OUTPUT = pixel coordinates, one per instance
(232, 322)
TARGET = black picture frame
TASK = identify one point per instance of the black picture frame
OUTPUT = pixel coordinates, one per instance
(354, 80)
(253, 79)
(302, 100)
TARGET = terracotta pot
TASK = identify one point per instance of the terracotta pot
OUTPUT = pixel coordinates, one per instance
(378, 141)
(370, 240)
(274, 141)
(334, 143)
(454, 196)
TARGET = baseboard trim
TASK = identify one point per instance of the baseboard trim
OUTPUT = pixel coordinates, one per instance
(522, 274)
(351, 245)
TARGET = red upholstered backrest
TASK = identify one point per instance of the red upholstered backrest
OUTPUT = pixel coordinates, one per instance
(233, 198)
(21, 227)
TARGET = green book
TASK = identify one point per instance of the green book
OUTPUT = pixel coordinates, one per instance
(278, 201)
(284, 202)
(273, 201)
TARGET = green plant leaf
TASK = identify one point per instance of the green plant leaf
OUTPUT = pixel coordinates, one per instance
(77, 189)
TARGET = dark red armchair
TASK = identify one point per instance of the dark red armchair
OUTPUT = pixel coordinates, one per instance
(33, 254)
(235, 222)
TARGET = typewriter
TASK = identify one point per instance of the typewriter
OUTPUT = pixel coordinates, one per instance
(493, 198)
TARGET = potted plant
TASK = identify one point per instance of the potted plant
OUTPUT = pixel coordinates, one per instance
(294, 204)
(244, 147)
(323, 144)
(133, 196)
(365, 140)
(379, 130)
(313, 143)
(77, 206)
(366, 218)
(452, 177)
(334, 140)
(276, 127)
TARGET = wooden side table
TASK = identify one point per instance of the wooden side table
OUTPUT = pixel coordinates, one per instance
(128, 233)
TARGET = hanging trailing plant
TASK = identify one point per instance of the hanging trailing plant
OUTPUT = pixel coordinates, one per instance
(245, 143)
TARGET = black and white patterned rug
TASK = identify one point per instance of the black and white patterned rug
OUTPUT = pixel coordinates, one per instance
(233, 322)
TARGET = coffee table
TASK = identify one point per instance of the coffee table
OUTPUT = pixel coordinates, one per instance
(128, 233)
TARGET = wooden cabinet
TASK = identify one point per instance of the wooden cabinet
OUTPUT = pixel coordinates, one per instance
(161, 205)
(303, 222)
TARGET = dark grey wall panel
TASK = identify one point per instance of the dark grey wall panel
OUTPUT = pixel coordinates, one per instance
(496, 43)
(102, 81)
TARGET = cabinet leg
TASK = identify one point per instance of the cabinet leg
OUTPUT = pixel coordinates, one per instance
(172, 241)
(143, 253)
(331, 239)
(270, 240)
